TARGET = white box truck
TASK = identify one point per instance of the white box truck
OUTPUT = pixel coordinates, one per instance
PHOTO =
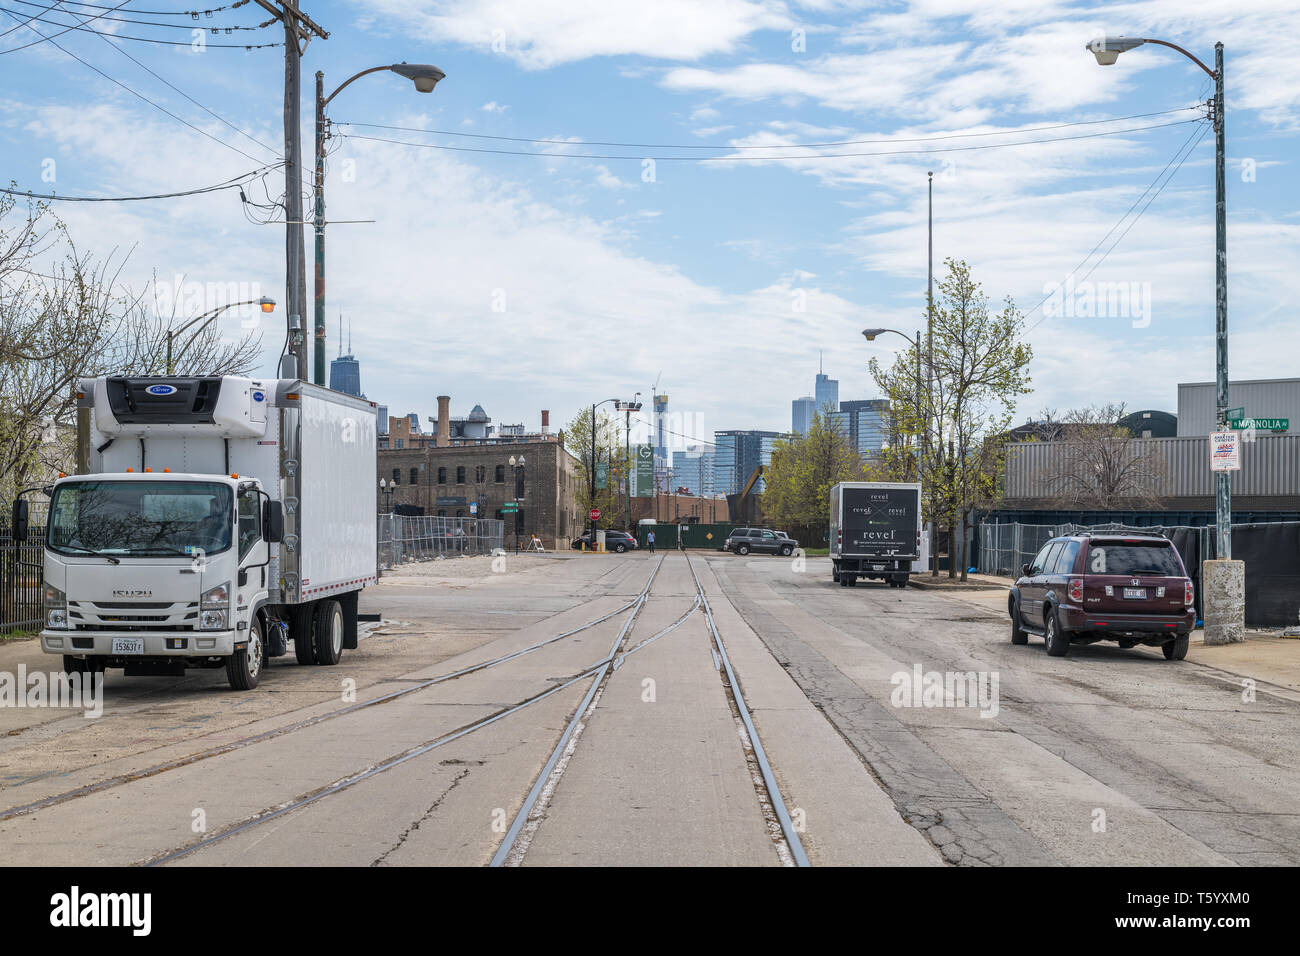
(213, 521)
(875, 531)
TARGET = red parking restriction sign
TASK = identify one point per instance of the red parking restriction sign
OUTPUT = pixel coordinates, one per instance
(594, 514)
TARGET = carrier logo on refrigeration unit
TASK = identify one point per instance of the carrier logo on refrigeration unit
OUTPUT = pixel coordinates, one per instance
(161, 389)
(259, 396)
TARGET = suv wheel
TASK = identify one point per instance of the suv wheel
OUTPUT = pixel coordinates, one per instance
(1058, 645)
(742, 549)
(786, 550)
(1176, 649)
(620, 547)
(1018, 634)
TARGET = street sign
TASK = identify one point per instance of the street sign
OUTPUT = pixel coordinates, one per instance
(1236, 413)
(594, 514)
(1225, 451)
(1260, 424)
(602, 474)
(510, 506)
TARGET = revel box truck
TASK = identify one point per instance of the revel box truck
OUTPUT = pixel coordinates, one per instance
(217, 519)
(875, 531)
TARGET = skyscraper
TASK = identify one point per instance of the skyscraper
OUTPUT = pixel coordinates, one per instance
(345, 371)
(737, 453)
(826, 393)
(801, 414)
(866, 423)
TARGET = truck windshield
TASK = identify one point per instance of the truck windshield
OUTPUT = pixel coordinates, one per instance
(160, 518)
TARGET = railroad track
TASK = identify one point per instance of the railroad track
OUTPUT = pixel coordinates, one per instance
(781, 828)
(531, 815)
(248, 741)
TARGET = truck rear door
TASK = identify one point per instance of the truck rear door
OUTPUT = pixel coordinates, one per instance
(880, 522)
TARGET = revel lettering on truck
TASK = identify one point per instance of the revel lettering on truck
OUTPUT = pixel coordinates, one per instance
(875, 531)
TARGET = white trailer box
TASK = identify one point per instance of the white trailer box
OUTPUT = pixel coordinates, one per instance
(265, 487)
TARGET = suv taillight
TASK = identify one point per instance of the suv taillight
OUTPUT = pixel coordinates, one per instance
(1188, 594)
(1076, 590)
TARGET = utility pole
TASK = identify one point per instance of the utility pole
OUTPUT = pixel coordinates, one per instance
(929, 382)
(298, 31)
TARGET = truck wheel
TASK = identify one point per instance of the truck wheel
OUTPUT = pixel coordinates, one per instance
(1058, 645)
(300, 619)
(853, 580)
(329, 632)
(835, 575)
(1176, 649)
(244, 668)
(1018, 634)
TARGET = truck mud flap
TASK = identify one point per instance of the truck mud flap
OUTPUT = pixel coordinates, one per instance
(349, 604)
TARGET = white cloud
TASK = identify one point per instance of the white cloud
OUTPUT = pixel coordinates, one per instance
(542, 35)
(493, 107)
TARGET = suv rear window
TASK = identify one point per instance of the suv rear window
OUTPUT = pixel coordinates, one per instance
(1128, 557)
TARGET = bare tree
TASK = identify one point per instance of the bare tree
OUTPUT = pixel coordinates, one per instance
(65, 316)
(1097, 464)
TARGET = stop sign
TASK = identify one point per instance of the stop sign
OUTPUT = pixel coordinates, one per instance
(594, 514)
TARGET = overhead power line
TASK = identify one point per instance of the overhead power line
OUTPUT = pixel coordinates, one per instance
(44, 38)
(767, 159)
(1166, 174)
(194, 14)
(139, 95)
(123, 36)
(233, 183)
(851, 142)
(48, 8)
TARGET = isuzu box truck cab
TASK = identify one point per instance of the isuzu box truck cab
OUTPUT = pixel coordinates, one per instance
(215, 520)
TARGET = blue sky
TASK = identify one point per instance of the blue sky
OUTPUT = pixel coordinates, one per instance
(549, 280)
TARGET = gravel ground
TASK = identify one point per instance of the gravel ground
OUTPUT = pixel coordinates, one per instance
(476, 567)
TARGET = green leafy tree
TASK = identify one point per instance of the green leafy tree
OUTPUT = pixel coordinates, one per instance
(611, 459)
(978, 370)
(799, 480)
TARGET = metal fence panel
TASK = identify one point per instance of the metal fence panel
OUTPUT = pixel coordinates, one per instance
(21, 588)
(406, 538)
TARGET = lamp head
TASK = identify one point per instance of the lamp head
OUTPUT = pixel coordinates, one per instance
(870, 334)
(425, 76)
(1107, 49)
(268, 305)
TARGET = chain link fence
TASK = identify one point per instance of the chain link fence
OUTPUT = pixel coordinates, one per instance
(404, 538)
(1006, 546)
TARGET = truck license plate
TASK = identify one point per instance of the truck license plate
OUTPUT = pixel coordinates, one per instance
(877, 567)
(1139, 593)
(128, 645)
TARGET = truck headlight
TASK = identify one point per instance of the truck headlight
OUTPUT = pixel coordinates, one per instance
(56, 608)
(214, 608)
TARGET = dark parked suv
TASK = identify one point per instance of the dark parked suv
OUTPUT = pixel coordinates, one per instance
(619, 541)
(745, 540)
(1084, 588)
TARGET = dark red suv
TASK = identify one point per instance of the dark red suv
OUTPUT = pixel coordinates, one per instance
(1082, 588)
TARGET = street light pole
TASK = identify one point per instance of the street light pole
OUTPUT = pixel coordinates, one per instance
(426, 77)
(929, 372)
(1223, 584)
(268, 305)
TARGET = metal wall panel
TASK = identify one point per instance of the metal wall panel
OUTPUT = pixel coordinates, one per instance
(1271, 398)
(1270, 465)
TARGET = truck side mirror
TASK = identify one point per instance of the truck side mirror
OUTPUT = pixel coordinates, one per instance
(19, 520)
(272, 522)
(1024, 569)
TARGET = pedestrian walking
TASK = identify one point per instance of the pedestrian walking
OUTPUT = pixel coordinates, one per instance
(650, 540)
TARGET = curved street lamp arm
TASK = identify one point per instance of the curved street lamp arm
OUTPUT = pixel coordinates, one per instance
(373, 69)
(208, 316)
(1175, 46)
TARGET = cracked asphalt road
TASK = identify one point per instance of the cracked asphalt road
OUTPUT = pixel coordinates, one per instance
(1107, 756)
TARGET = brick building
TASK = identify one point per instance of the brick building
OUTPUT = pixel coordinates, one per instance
(450, 480)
